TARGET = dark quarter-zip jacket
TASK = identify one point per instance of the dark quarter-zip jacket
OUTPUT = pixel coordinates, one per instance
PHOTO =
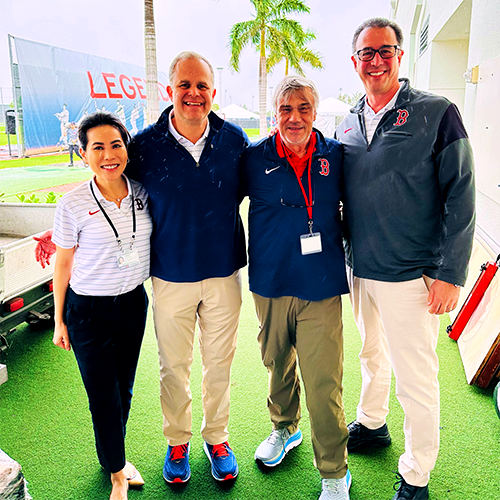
(409, 194)
(197, 229)
(278, 217)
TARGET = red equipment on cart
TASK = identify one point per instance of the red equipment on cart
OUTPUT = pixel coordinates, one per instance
(488, 271)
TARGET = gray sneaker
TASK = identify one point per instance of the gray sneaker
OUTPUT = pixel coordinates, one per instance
(336, 489)
(273, 450)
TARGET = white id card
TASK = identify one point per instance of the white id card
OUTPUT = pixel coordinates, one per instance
(128, 258)
(310, 243)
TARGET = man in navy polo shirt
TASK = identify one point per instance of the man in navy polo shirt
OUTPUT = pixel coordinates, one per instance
(297, 274)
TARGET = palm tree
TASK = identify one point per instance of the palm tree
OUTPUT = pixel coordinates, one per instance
(294, 51)
(153, 109)
(270, 30)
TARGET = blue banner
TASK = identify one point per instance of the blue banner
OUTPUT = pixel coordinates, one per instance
(60, 87)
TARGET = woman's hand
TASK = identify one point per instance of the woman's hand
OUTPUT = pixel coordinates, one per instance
(62, 275)
(61, 337)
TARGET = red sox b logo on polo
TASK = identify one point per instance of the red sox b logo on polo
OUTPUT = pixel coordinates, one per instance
(402, 117)
(325, 167)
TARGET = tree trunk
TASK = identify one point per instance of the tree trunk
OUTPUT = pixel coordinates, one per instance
(262, 85)
(153, 108)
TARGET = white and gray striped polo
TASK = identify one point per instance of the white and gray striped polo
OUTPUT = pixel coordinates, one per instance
(79, 222)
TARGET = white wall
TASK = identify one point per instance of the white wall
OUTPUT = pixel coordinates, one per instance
(448, 65)
(463, 34)
(482, 114)
(485, 31)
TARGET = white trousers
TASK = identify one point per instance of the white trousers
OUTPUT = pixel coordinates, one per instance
(215, 303)
(397, 330)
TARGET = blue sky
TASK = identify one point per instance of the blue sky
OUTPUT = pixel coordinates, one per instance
(114, 29)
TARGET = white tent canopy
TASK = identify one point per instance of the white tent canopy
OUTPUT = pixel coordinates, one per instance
(333, 106)
(330, 114)
(233, 111)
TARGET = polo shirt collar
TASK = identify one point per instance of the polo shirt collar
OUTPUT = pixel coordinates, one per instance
(370, 114)
(180, 138)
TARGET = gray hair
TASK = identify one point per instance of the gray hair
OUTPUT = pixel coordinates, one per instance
(377, 22)
(188, 54)
(291, 84)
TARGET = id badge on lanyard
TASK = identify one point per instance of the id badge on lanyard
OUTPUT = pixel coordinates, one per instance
(125, 257)
(309, 242)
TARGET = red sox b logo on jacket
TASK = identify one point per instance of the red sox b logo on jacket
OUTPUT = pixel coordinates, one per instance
(325, 167)
(402, 117)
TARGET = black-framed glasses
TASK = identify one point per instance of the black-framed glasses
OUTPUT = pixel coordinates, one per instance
(385, 52)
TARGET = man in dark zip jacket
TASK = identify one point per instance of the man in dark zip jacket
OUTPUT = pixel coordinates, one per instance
(189, 162)
(409, 213)
(297, 274)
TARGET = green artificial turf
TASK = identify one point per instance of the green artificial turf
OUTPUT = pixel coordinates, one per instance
(3, 136)
(55, 159)
(27, 180)
(45, 426)
(253, 133)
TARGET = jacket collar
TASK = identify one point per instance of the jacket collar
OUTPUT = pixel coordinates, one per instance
(403, 97)
(161, 126)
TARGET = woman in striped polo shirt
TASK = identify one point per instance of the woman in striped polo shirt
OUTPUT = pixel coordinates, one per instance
(103, 226)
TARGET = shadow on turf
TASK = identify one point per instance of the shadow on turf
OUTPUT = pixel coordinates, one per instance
(179, 488)
(288, 462)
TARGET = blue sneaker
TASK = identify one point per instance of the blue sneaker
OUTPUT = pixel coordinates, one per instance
(223, 461)
(176, 468)
(273, 450)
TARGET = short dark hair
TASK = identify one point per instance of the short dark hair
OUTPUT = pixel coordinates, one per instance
(377, 22)
(99, 119)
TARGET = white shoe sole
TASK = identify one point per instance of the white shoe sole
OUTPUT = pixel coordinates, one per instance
(276, 461)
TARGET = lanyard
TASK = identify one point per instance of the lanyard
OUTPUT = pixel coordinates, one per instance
(309, 201)
(117, 236)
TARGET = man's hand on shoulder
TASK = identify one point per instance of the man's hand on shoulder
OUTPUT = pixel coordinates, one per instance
(443, 297)
(45, 248)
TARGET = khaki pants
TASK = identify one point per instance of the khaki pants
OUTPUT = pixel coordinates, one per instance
(397, 330)
(311, 331)
(216, 304)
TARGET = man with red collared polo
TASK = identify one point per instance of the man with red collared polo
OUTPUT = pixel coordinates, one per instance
(297, 274)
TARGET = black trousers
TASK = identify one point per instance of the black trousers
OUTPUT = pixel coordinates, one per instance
(106, 335)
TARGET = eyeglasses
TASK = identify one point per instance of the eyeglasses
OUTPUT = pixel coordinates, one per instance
(385, 52)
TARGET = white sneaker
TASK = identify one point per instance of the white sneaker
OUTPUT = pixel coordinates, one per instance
(336, 489)
(273, 450)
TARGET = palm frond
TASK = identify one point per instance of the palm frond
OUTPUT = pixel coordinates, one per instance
(239, 37)
(291, 7)
(312, 58)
